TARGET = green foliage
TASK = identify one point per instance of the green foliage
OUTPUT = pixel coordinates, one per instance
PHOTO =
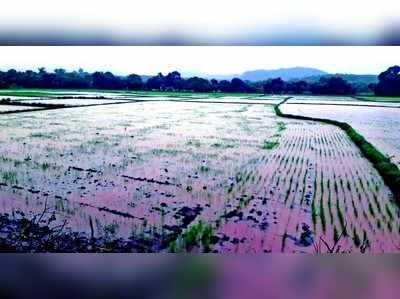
(269, 145)
(313, 213)
(197, 235)
(322, 215)
(41, 135)
(222, 145)
(9, 177)
(335, 235)
(281, 126)
(45, 165)
(207, 234)
(341, 217)
(204, 168)
(174, 247)
(379, 99)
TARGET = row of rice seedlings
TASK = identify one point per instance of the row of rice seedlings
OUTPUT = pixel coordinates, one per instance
(269, 145)
(325, 185)
(293, 167)
(9, 177)
(370, 202)
(348, 188)
(293, 224)
(354, 187)
(281, 126)
(197, 235)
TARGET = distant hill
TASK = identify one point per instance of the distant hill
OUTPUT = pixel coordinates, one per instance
(263, 75)
(351, 78)
(307, 74)
(284, 73)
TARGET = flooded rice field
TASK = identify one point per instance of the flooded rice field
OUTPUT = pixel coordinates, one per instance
(218, 100)
(323, 98)
(197, 177)
(346, 101)
(9, 108)
(71, 101)
(379, 125)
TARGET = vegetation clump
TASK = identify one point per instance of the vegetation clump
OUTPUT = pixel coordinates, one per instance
(269, 145)
(197, 235)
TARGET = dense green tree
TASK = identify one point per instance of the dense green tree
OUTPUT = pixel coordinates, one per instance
(389, 82)
(274, 86)
(198, 85)
(214, 84)
(60, 78)
(224, 86)
(331, 86)
(107, 81)
(238, 85)
(297, 87)
(173, 81)
(156, 82)
(134, 82)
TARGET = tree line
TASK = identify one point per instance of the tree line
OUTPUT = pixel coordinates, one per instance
(388, 85)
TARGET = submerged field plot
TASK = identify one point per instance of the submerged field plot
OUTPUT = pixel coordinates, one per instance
(379, 125)
(197, 177)
(11, 108)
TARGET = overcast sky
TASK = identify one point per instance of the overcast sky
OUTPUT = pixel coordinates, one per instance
(229, 14)
(200, 60)
(251, 22)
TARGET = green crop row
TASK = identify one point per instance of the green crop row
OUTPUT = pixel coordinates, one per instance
(389, 171)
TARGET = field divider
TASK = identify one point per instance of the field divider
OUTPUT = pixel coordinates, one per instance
(360, 98)
(45, 107)
(388, 170)
(342, 104)
(210, 102)
(24, 110)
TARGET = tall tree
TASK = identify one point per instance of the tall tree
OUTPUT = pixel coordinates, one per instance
(274, 86)
(389, 82)
(332, 86)
(197, 84)
(134, 82)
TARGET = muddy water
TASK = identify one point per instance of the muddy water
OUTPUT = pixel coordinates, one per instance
(134, 167)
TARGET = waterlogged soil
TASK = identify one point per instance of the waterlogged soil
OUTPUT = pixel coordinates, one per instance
(71, 102)
(29, 94)
(10, 108)
(338, 101)
(323, 98)
(154, 170)
(219, 100)
(379, 125)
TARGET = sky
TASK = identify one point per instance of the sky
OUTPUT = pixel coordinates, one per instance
(199, 22)
(192, 60)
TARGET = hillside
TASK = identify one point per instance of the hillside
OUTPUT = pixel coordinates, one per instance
(351, 78)
(285, 73)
